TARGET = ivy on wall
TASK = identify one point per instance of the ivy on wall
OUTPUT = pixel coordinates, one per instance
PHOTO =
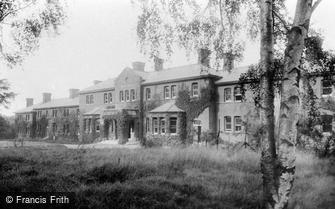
(194, 106)
(42, 126)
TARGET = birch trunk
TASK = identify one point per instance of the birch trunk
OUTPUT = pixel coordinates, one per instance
(267, 106)
(290, 101)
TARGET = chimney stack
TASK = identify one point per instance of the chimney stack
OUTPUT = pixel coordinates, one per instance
(46, 97)
(29, 102)
(139, 66)
(228, 62)
(95, 82)
(73, 93)
(204, 57)
(158, 63)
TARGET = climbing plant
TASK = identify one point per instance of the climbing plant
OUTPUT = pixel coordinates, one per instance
(194, 106)
(122, 118)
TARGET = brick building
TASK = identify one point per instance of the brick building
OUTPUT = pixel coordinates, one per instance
(139, 103)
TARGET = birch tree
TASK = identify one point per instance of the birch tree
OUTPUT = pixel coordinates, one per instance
(158, 29)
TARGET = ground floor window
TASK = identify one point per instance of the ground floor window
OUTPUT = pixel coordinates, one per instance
(162, 125)
(173, 125)
(238, 123)
(97, 125)
(54, 127)
(227, 123)
(155, 125)
(147, 124)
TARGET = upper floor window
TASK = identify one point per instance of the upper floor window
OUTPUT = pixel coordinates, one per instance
(54, 113)
(195, 90)
(47, 113)
(327, 87)
(148, 93)
(227, 94)
(132, 95)
(237, 94)
(89, 99)
(66, 112)
(39, 113)
(327, 121)
(227, 123)
(105, 98)
(27, 117)
(173, 91)
(166, 92)
(238, 123)
(110, 97)
(121, 96)
(126, 94)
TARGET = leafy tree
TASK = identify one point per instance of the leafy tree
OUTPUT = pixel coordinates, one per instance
(22, 23)
(7, 130)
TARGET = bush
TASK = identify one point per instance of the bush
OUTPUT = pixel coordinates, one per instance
(162, 140)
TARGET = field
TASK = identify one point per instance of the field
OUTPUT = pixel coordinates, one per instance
(160, 178)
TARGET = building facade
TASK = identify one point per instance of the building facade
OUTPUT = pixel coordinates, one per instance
(178, 103)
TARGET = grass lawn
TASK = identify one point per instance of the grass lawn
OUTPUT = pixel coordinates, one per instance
(160, 178)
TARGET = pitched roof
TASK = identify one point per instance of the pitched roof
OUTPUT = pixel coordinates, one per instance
(63, 102)
(233, 76)
(104, 85)
(179, 73)
(167, 107)
(27, 109)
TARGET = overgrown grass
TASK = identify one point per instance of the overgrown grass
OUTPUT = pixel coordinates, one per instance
(160, 178)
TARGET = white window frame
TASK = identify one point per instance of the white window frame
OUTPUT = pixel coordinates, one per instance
(166, 92)
(173, 91)
(110, 97)
(239, 94)
(329, 88)
(126, 95)
(148, 93)
(226, 90)
(105, 98)
(155, 125)
(236, 124)
(226, 123)
(170, 126)
(121, 96)
(162, 125)
(132, 95)
(195, 91)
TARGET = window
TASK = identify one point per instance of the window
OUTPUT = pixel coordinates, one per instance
(227, 123)
(327, 87)
(39, 113)
(121, 96)
(87, 99)
(162, 125)
(97, 125)
(327, 123)
(166, 92)
(132, 95)
(91, 99)
(238, 123)
(46, 113)
(54, 127)
(27, 117)
(227, 94)
(148, 93)
(195, 90)
(110, 97)
(105, 98)
(54, 113)
(237, 94)
(155, 125)
(173, 91)
(147, 124)
(126, 94)
(66, 112)
(173, 125)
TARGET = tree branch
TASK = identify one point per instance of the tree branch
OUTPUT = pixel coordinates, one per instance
(281, 20)
(316, 4)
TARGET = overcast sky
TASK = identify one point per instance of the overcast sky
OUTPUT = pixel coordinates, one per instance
(98, 41)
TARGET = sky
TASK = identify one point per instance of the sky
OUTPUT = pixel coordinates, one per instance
(99, 40)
